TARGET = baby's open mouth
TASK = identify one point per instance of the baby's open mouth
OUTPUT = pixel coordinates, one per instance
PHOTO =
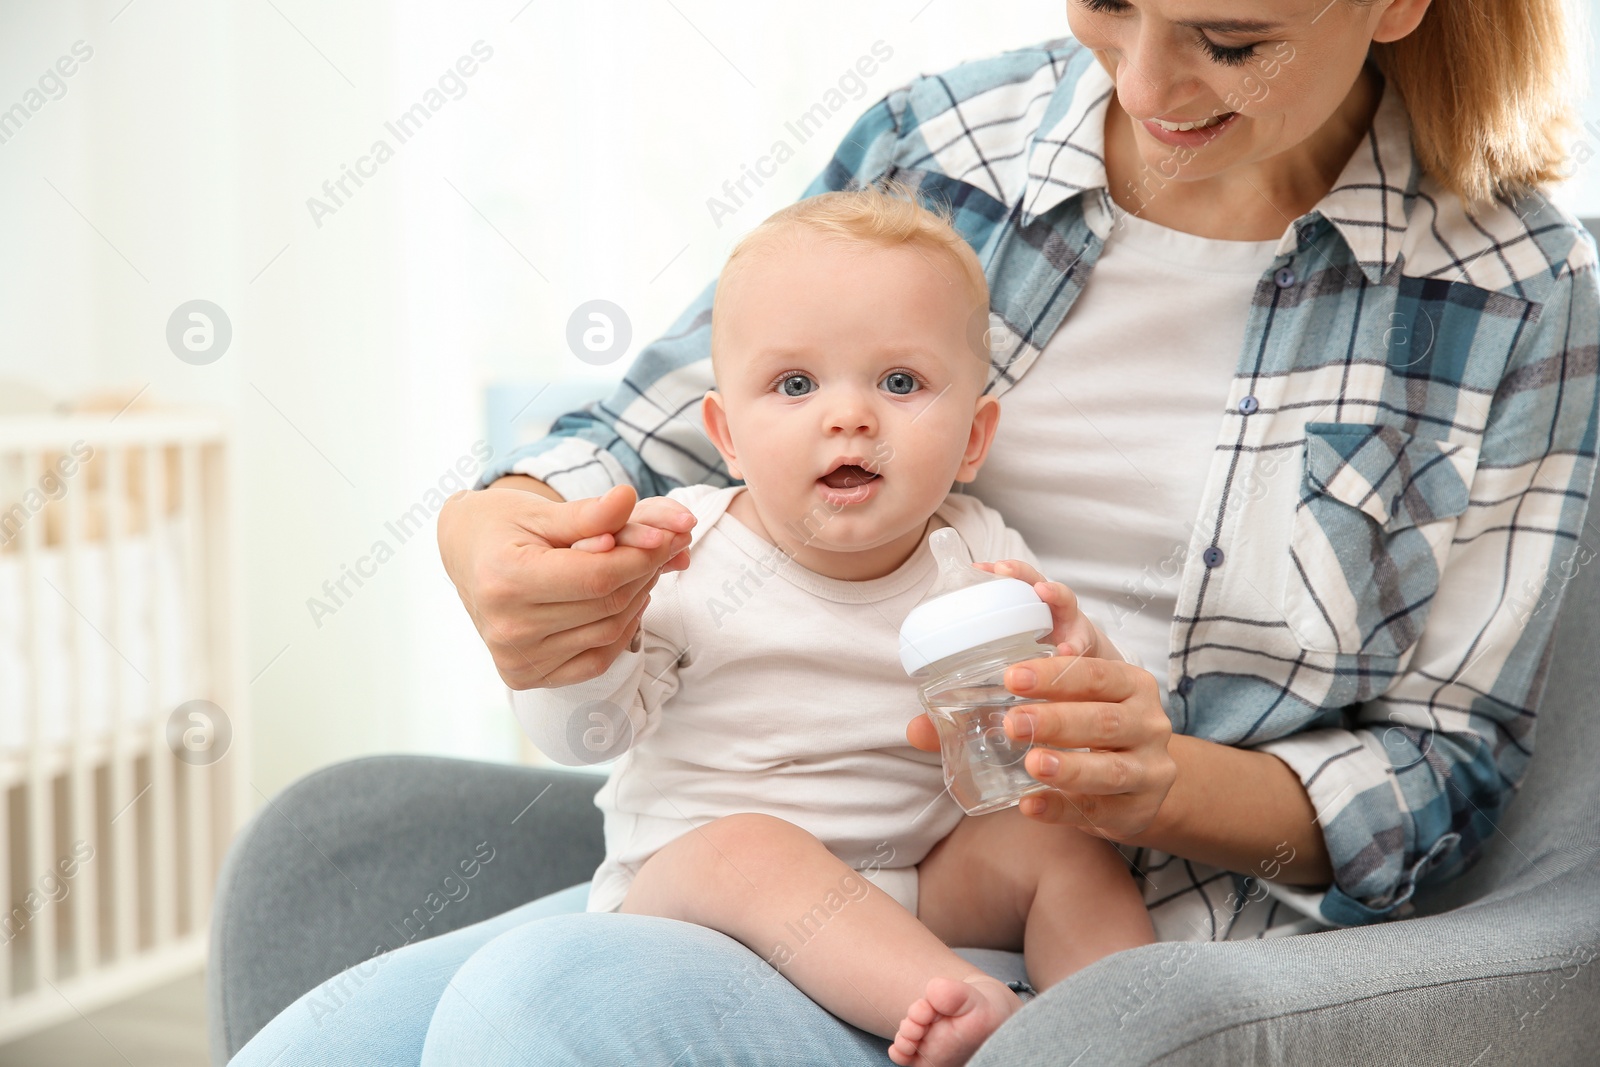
(847, 476)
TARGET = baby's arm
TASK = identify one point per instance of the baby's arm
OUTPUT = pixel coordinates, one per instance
(598, 720)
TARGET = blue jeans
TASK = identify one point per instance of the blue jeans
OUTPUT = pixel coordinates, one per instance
(548, 983)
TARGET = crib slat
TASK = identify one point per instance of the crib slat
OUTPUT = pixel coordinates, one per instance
(164, 883)
(37, 791)
(124, 876)
(82, 900)
(230, 790)
(7, 935)
(202, 680)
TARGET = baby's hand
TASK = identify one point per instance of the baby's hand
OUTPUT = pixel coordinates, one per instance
(1074, 634)
(659, 512)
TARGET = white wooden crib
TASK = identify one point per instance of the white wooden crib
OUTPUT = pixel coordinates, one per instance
(118, 607)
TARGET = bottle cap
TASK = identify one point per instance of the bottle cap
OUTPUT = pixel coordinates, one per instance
(967, 607)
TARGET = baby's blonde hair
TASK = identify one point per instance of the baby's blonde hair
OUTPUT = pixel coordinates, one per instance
(887, 213)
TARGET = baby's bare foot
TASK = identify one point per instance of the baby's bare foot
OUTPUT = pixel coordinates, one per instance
(952, 1019)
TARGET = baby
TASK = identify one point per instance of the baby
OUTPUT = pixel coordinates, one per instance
(764, 787)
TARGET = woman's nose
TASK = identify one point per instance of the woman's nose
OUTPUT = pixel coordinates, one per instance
(1151, 74)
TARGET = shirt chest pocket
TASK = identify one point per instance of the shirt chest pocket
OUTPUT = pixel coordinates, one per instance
(1377, 511)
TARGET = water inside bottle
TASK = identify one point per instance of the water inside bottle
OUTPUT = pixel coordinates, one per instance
(983, 767)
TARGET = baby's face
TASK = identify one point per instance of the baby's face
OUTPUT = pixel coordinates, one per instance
(835, 353)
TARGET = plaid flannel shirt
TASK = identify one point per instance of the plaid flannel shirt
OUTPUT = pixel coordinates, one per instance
(1397, 493)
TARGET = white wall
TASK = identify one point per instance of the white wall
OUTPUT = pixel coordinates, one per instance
(1582, 193)
(190, 142)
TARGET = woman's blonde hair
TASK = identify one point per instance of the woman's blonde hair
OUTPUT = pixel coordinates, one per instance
(887, 213)
(1488, 85)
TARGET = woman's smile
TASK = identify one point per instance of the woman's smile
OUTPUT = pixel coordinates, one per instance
(1189, 134)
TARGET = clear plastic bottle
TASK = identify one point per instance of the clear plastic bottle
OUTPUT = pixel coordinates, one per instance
(956, 645)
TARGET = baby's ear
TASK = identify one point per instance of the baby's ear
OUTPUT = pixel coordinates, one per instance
(985, 420)
(713, 412)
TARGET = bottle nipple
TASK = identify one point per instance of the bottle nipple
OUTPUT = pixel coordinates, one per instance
(965, 608)
(955, 564)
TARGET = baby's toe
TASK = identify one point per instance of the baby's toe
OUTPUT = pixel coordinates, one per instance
(946, 996)
(921, 1013)
(904, 1050)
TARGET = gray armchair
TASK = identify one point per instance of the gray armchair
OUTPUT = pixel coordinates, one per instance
(1498, 968)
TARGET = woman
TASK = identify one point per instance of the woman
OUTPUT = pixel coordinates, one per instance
(1318, 221)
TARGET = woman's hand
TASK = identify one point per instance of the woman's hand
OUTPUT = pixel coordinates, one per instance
(556, 588)
(1107, 706)
(1074, 634)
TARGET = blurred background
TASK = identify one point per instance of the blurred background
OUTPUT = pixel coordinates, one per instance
(283, 346)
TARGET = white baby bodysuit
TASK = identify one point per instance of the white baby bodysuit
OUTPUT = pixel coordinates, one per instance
(762, 686)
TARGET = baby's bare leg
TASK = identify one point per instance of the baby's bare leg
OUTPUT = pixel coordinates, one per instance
(1003, 880)
(774, 887)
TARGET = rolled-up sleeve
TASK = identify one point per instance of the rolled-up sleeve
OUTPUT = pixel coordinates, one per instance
(1415, 785)
(649, 431)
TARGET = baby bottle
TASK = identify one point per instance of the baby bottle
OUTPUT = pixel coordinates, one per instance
(956, 644)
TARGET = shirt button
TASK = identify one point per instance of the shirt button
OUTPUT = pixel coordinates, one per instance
(1212, 556)
(1284, 277)
(1185, 684)
(1248, 405)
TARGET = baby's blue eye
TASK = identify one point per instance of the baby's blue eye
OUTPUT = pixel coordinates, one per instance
(790, 380)
(900, 383)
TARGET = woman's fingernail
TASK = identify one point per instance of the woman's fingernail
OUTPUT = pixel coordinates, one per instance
(1023, 678)
(1048, 764)
(1033, 805)
(1025, 723)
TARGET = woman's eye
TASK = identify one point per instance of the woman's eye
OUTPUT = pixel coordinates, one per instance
(1228, 57)
(795, 385)
(900, 383)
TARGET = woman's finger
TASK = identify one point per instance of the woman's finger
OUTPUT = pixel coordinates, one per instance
(1088, 813)
(542, 577)
(922, 734)
(1075, 678)
(1098, 724)
(1095, 773)
(524, 621)
(587, 650)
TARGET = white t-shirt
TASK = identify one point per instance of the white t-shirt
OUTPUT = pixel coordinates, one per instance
(763, 686)
(1132, 386)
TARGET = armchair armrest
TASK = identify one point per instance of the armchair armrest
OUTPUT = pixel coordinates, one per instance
(1505, 980)
(376, 851)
